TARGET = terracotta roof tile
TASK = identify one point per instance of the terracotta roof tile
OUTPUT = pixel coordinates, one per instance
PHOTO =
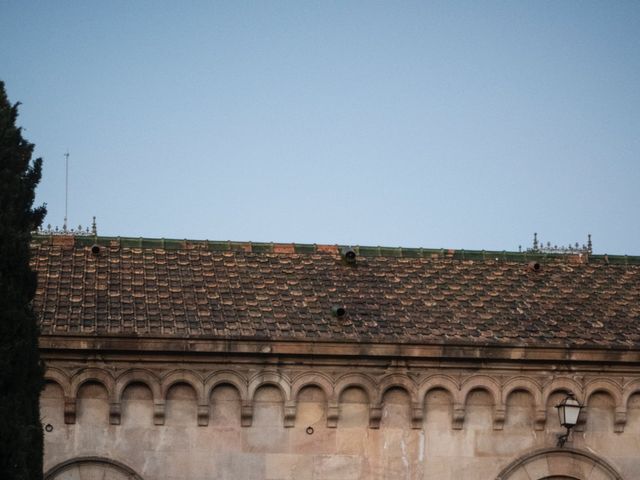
(232, 290)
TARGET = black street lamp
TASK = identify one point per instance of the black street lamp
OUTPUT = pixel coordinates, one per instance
(568, 411)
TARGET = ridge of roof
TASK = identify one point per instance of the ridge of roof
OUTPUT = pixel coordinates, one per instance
(307, 248)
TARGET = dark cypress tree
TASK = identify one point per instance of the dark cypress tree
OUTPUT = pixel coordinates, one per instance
(21, 372)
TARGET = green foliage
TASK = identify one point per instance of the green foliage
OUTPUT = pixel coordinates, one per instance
(21, 371)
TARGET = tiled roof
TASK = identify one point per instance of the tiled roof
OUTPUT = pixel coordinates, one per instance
(161, 288)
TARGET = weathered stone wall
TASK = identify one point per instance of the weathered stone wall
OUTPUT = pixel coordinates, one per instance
(210, 418)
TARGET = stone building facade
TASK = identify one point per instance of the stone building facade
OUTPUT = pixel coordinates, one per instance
(201, 360)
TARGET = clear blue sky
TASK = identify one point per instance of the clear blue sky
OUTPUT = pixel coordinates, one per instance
(417, 124)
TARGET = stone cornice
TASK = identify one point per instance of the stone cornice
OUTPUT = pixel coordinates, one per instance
(492, 353)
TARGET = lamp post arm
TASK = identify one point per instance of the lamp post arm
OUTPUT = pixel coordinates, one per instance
(562, 439)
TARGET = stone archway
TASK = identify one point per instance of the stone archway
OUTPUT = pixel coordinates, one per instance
(559, 464)
(91, 468)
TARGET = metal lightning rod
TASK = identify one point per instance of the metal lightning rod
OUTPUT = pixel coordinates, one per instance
(66, 189)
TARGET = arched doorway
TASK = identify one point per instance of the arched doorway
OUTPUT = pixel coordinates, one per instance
(91, 468)
(559, 464)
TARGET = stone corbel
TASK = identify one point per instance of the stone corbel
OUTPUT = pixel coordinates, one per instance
(416, 415)
(620, 419)
(499, 415)
(290, 414)
(203, 415)
(246, 414)
(332, 414)
(540, 420)
(115, 413)
(69, 410)
(458, 416)
(158, 413)
(375, 414)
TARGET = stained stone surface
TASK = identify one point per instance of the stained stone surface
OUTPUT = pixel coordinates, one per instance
(224, 449)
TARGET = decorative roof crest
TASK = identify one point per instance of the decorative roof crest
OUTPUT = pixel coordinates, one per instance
(541, 247)
(78, 232)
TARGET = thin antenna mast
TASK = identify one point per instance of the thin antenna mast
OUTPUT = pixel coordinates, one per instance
(65, 226)
(66, 189)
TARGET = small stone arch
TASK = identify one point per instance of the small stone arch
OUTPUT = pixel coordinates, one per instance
(282, 384)
(481, 382)
(400, 381)
(491, 386)
(614, 390)
(238, 383)
(604, 385)
(439, 381)
(227, 377)
(628, 390)
(270, 378)
(578, 464)
(317, 379)
(535, 390)
(184, 376)
(58, 377)
(138, 376)
(564, 384)
(362, 382)
(356, 380)
(403, 382)
(452, 387)
(93, 375)
(117, 470)
(526, 384)
(312, 379)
